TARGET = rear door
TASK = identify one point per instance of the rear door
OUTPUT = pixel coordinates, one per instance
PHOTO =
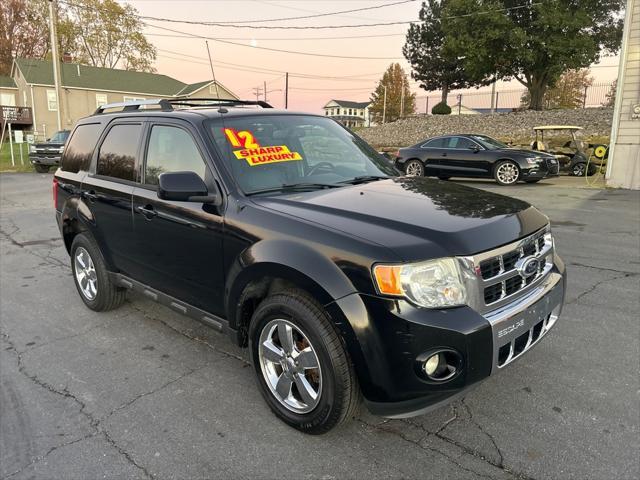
(178, 245)
(464, 157)
(107, 190)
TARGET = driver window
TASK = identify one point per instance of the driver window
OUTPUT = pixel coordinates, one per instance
(465, 143)
(171, 149)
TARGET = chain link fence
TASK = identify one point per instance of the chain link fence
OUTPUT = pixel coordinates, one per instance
(470, 102)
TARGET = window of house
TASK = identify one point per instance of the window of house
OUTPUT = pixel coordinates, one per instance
(133, 99)
(77, 153)
(52, 100)
(117, 155)
(8, 99)
(101, 99)
(171, 149)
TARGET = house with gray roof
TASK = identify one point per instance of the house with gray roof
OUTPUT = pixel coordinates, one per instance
(30, 89)
(350, 114)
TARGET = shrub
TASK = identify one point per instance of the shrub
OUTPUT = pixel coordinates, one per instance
(441, 109)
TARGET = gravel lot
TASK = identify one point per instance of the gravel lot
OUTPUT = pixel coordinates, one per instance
(142, 392)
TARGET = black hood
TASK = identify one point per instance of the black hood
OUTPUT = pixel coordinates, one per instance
(523, 152)
(416, 217)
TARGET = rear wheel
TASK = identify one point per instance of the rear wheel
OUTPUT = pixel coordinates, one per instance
(506, 173)
(579, 169)
(414, 168)
(302, 367)
(42, 168)
(92, 277)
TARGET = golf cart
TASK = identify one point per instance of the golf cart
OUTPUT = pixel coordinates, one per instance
(566, 144)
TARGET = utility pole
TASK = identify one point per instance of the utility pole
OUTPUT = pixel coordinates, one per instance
(55, 59)
(384, 105)
(402, 102)
(286, 90)
(493, 96)
(256, 91)
(264, 90)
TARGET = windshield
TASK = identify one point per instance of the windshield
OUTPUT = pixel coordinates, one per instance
(266, 152)
(488, 142)
(60, 137)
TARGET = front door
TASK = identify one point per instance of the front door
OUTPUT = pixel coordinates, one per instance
(464, 157)
(178, 244)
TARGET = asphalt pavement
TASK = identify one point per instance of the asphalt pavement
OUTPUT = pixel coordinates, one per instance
(142, 392)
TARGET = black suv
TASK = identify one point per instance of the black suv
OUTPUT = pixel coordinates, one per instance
(293, 236)
(45, 155)
(476, 156)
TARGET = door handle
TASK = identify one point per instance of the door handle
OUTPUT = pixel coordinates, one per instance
(90, 195)
(148, 211)
(444, 154)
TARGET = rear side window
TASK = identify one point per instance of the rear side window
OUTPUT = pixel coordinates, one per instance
(435, 143)
(77, 154)
(117, 155)
(171, 149)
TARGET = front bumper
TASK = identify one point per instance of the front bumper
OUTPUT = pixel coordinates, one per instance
(51, 160)
(392, 334)
(541, 170)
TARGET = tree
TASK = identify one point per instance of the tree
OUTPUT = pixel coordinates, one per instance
(433, 65)
(108, 34)
(21, 32)
(399, 99)
(533, 42)
(611, 95)
(567, 92)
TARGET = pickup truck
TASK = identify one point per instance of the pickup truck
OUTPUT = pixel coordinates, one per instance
(347, 282)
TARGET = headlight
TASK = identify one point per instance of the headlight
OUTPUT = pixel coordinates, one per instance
(32, 149)
(533, 160)
(61, 149)
(430, 284)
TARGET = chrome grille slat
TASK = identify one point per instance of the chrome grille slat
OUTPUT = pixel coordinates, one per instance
(547, 322)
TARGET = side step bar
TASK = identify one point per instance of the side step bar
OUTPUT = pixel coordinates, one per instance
(219, 324)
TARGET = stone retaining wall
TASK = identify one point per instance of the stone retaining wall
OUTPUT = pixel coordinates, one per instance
(515, 127)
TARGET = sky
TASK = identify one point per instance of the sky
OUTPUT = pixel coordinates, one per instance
(244, 65)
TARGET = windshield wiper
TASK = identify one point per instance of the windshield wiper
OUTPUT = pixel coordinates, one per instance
(295, 187)
(364, 179)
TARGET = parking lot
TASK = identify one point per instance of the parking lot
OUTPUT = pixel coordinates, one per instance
(142, 392)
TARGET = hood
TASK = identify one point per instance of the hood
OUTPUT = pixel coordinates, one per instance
(415, 217)
(49, 145)
(524, 152)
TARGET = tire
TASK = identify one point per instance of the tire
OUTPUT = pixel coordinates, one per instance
(444, 177)
(98, 293)
(333, 381)
(533, 180)
(414, 168)
(41, 168)
(506, 173)
(579, 169)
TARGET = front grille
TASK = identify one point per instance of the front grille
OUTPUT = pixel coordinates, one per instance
(516, 347)
(500, 272)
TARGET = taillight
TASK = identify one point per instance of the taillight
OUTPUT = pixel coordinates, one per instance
(55, 193)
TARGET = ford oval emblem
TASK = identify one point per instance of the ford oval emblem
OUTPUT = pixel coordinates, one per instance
(528, 266)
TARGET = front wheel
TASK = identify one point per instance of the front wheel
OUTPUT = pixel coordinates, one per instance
(506, 173)
(579, 169)
(414, 168)
(303, 370)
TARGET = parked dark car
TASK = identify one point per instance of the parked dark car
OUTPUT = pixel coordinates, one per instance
(47, 154)
(290, 234)
(476, 156)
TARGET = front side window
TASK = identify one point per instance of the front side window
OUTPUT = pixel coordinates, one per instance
(77, 153)
(461, 143)
(269, 151)
(117, 155)
(489, 143)
(52, 100)
(171, 149)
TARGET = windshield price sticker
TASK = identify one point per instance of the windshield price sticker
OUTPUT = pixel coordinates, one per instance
(253, 153)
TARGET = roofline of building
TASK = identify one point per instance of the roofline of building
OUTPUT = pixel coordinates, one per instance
(210, 82)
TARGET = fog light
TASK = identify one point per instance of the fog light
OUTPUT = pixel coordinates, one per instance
(431, 365)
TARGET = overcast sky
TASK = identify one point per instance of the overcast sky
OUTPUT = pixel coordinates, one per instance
(185, 58)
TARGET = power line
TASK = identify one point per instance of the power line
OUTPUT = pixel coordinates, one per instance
(264, 39)
(374, 7)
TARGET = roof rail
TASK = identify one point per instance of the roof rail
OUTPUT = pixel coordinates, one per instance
(217, 102)
(134, 105)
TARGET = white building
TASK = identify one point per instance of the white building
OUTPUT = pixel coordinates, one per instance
(350, 114)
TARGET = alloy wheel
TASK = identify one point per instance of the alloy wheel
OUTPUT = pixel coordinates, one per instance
(290, 366)
(579, 169)
(85, 272)
(507, 173)
(414, 169)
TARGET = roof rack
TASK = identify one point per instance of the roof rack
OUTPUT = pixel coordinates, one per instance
(167, 104)
(218, 102)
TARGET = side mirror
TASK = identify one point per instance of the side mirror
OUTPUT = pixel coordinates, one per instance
(474, 149)
(184, 187)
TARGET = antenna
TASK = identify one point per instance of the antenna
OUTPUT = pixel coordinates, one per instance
(212, 72)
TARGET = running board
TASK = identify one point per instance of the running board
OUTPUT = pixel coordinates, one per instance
(209, 319)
